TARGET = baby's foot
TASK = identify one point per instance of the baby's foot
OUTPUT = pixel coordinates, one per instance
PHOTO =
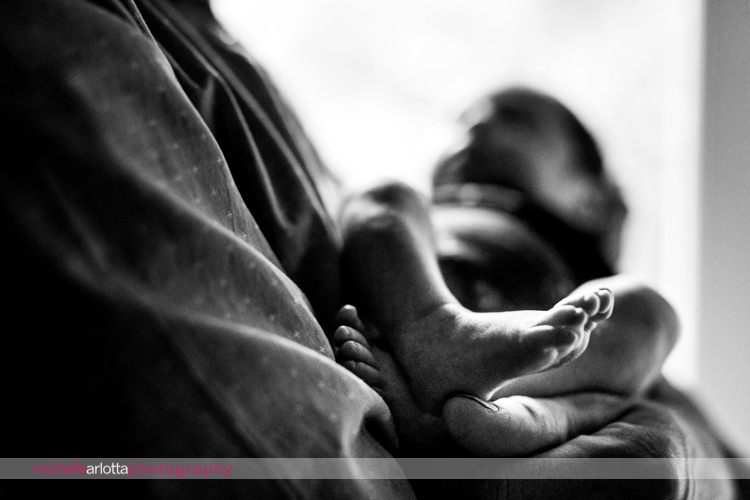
(417, 429)
(452, 350)
(352, 349)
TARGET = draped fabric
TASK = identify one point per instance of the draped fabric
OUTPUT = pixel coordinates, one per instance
(169, 250)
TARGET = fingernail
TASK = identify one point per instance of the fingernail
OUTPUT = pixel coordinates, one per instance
(482, 402)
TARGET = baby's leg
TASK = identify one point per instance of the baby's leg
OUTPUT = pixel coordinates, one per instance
(625, 353)
(442, 347)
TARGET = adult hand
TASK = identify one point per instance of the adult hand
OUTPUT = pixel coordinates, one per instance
(664, 424)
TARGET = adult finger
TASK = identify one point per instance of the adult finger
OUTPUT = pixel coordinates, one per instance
(518, 426)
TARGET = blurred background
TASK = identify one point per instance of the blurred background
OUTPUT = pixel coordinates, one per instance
(664, 85)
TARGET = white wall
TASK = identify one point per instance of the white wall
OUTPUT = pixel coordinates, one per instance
(676, 240)
(724, 312)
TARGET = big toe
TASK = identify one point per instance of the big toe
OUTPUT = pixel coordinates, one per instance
(606, 304)
(349, 316)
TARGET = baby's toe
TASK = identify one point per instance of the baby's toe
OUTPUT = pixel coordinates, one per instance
(588, 302)
(348, 316)
(346, 333)
(606, 304)
(563, 330)
(563, 316)
(354, 351)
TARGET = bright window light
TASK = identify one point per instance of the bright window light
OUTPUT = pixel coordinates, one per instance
(378, 86)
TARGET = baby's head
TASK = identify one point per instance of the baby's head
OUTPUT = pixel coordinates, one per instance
(530, 143)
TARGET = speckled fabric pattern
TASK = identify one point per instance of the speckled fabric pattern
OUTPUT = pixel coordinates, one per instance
(170, 250)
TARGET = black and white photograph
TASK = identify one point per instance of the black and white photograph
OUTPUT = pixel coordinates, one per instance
(407, 249)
